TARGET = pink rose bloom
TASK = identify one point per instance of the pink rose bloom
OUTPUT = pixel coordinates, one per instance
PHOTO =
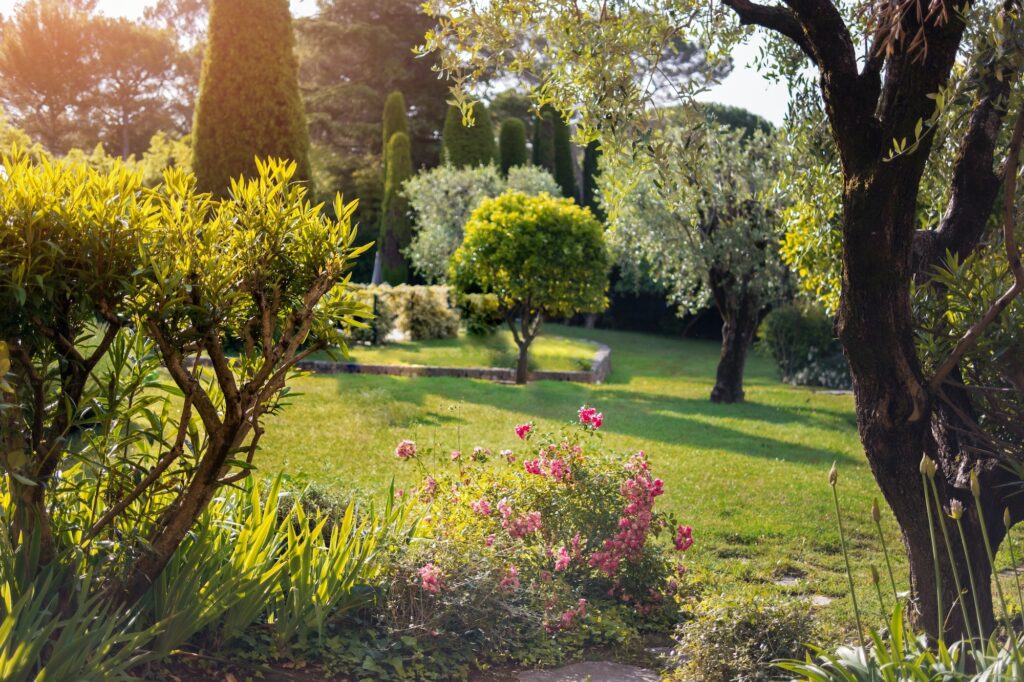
(523, 429)
(429, 485)
(406, 450)
(481, 507)
(510, 581)
(489, 540)
(684, 538)
(430, 578)
(562, 562)
(504, 508)
(455, 455)
(509, 456)
(560, 470)
(589, 416)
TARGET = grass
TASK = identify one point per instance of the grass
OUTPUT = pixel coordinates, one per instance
(750, 478)
(548, 352)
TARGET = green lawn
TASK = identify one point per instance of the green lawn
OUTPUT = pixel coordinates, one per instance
(750, 478)
(548, 352)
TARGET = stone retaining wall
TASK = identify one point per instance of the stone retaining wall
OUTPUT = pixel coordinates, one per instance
(598, 372)
(600, 366)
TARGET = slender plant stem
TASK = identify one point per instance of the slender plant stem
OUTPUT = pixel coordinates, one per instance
(888, 563)
(952, 560)
(995, 574)
(970, 577)
(881, 602)
(940, 632)
(849, 570)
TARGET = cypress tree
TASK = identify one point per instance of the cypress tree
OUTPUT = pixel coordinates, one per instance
(591, 169)
(544, 140)
(249, 104)
(565, 165)
(468, 146)
(395, 121)
(512, 144)
(395, 227)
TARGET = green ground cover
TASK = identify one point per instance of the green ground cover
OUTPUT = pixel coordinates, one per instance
(750, 478)
(549, 352)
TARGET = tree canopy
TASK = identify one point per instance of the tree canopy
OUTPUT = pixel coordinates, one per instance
(539, 256)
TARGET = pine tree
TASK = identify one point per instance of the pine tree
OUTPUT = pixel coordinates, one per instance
(395, 228)
(565, 164)
(395, 121)
(249, 104)
(512, 144)
(544, 140)
(469, 146)
(591, 169)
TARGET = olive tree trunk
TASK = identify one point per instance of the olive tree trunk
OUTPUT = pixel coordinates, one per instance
(740, 312)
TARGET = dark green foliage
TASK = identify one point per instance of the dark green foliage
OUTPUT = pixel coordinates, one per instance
(512, 144)
(513, 104)
(544, 141)
(803, 343)
(736, 118)
(395, 226)
(395, 120)
(352, 53)
(591, 169)
(249, 103)
(472, 145)
(565, 164)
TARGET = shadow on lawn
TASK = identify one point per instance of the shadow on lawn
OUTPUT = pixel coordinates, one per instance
(687, 422)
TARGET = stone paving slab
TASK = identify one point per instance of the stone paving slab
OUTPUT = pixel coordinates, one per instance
(594, 671)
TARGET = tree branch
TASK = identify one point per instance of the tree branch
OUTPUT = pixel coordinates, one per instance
(970, 338)
(975, 183)
(775, 18)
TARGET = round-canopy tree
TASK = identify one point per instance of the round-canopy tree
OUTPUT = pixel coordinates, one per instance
(705, 222)
(249, 105)
(442, 200)
(540, 256)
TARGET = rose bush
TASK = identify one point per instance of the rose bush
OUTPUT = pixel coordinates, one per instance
(530, 553)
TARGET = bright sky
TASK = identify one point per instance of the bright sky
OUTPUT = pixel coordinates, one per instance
(744, 87)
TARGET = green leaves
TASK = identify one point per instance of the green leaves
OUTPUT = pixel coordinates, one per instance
(547, 255)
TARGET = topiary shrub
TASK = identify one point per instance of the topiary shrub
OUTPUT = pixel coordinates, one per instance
(512, 144)
(468, 145)
(376, 330)
(803, 344)
(532, 553)
(395, 223)
(249, 105)
(739, 637)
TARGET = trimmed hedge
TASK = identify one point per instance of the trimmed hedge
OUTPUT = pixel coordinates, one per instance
(416, 311)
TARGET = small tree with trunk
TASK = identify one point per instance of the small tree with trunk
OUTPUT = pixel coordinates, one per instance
(704, 222)
(540, 256)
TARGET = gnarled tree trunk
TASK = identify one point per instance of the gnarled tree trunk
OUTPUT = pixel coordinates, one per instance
(741, 314)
